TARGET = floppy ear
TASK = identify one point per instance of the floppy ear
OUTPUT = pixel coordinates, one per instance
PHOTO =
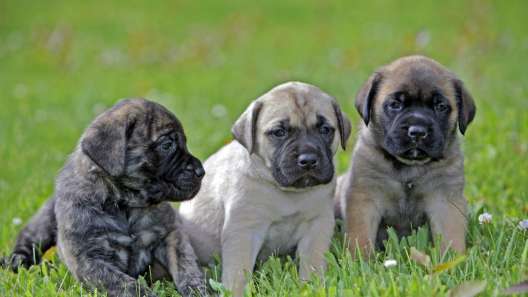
(343, 124)
(466, 105)
(245, 128)
(105, 142)
(366, 94)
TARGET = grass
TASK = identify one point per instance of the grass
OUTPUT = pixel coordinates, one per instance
(62, 62)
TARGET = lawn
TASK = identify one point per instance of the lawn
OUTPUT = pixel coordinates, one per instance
(63, 62)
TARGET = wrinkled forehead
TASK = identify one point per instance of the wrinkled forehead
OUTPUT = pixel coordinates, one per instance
(151, 120)
(418, 81)
(300, 109)
(163, 121)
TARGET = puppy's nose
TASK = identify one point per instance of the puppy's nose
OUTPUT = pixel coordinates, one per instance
(197, 169)
(417, 132)
(307, 161)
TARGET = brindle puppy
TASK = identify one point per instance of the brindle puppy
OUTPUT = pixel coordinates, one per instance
(110, 216)
(407, 167)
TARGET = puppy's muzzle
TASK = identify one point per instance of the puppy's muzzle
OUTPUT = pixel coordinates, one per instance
(417, 133)
(191, 176)
(308, 161)
(414, 140)
(184, 179)
(416, 127)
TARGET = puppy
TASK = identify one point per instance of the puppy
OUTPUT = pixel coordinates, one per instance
(407, 167)
(110, 216)
(271, 189)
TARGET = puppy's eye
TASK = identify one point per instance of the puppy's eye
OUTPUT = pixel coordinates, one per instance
(395, 105)
(441, 107)
(279, 132)
(167, 146)
(325, 130)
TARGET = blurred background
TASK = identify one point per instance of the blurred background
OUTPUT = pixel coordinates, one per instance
(63, 62)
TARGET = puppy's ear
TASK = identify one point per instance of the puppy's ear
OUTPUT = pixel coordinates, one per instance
(466, 105)
(343, 124)
(105, 141)
(366, 94)
(245, 128)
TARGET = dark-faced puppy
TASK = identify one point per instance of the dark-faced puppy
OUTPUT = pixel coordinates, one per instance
(407, 167)
(302, 155)
(110, 216)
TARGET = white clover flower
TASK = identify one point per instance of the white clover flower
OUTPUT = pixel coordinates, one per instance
(485, 218)
(17, 221)
(523, 225)
(390, 263)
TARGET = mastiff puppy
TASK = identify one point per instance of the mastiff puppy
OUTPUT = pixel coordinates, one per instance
(110, 216)
(271, 189)
(407, 166)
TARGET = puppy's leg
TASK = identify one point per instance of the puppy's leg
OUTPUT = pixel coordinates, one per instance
(447, 218)
(87, 244)
(178, 257)
(314, 244)
(362, 221)
(103, 275)
(93, 265)
(36, 238)
(240, 247)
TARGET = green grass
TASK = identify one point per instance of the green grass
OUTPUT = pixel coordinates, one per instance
(61, 63)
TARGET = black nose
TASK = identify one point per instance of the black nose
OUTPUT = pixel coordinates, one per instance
(308, 161)
(417, 132)
(197, 168)
(199, 171)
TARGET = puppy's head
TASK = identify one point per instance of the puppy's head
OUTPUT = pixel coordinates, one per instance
(296, 129)
(142, 148)
(413, 107)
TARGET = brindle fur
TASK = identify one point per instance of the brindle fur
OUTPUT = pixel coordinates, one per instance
(381, 189)
(110, 216)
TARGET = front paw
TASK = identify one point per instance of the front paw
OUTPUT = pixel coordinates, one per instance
(193, 287)
(15, 261)
(132, 290)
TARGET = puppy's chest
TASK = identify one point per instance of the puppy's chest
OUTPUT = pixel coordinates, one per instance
(404, 208)
(140, 233)
(290, 219)
(284, 234)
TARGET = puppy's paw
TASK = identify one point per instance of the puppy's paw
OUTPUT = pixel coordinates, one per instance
(15, 261)
(3, 262)
(132, 290)
(193, 287)
(147, 293)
